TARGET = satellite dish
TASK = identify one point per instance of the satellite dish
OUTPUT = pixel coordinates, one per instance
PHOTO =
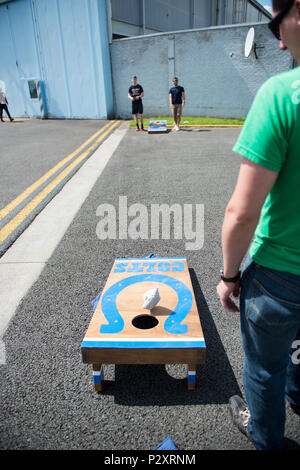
(249, 44)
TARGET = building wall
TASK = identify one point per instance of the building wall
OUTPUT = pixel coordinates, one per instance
(226, 12)
(173, 15)
(19, 59)
(203, 14)
(242, 11)
(168, 15)
(64, 43)
(210, 64)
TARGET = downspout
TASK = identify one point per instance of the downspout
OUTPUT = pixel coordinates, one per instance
(109, 20)
(217, 12)
(144, 17)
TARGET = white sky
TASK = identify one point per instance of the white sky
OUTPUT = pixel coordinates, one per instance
(267, 4)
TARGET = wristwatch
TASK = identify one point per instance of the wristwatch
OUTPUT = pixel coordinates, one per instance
(230, 279)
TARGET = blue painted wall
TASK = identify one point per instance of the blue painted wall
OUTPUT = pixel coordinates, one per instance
(64, 43)
(18, 57)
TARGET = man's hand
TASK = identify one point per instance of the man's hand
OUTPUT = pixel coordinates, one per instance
(182, 104)
(224, 290)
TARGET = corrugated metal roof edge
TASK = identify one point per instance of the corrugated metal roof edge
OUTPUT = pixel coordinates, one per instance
(260, 7)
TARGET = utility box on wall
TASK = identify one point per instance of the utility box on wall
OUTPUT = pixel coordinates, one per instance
(32, 85)
(37, 94)
(37, 91)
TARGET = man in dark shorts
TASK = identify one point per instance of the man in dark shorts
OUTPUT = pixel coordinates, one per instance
(135, 94)
(177, 100)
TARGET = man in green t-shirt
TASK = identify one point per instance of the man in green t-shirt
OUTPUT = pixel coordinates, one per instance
(265, 208)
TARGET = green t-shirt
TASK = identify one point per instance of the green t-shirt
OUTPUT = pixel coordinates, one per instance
(271, 138)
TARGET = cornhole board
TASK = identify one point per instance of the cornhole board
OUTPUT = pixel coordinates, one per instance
(157, 126)
(119, 331)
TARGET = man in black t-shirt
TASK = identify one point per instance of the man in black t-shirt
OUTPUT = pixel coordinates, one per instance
(177, 100)
(135, 94)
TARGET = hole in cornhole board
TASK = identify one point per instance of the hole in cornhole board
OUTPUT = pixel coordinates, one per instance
(144, 322)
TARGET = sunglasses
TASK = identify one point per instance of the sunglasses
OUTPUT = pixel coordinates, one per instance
(274, 24)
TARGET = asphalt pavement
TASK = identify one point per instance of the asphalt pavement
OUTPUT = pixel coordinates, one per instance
(29, 148)
(46, 392)
(34, 171)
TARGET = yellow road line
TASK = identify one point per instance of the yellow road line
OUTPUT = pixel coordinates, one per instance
(21, 216)
(15, 202)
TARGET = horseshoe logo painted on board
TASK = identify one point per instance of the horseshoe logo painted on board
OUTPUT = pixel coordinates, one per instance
(172, 323)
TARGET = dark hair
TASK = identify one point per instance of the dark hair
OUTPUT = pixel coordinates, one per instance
(280, 4)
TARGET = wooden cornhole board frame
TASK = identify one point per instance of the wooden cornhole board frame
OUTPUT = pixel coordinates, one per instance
(178, 338)
(156, 127)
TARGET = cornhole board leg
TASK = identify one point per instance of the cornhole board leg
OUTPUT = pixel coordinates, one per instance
(98, 376)
(192, 376)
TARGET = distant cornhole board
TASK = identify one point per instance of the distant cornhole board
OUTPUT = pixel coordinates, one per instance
(123, 332)
(157, 126)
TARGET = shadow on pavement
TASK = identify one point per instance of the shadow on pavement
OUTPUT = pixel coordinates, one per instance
(290, 444)
(194, 130)
(14, 121)
(160, 132)
(143, 385)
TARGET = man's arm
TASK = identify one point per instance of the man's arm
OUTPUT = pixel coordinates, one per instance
(170, 100)
(241, 217)
(130, 97)
(141, 95)
(183, 98)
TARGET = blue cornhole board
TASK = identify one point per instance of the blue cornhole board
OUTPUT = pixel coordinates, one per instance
(157, 126)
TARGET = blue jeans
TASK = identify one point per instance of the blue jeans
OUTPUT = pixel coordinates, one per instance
(270, 327)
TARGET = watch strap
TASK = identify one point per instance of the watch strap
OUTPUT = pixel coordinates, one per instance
(231, 279)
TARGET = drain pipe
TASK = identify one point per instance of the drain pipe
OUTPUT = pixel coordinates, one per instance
(144, 16)
(217, 12)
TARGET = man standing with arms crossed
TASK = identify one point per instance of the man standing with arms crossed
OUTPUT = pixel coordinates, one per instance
(266, 200)
(177, 101)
